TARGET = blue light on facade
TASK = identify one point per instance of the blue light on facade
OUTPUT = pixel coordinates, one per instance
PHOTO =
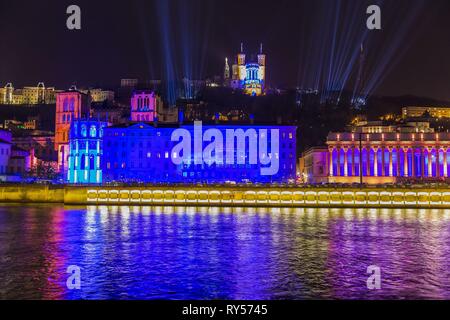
(85, 151)
(144, 153)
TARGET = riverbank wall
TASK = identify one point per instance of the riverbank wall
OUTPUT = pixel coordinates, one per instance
(229, 196)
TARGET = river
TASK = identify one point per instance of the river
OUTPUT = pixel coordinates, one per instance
(222, 253)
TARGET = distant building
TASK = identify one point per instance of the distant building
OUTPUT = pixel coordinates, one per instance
(15, 162)
(144, 106)
(5, 153)
(20, 161)
(27, 95)
(314, 166)
(129, 83)
(420, 111)
(70, 105)
(381, 127)
(248, 75)
(40, 143)
(86, 150)
(381, 157)
(99, 95)
(109, 113)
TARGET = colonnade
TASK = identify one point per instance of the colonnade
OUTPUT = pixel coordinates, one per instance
(389, 161)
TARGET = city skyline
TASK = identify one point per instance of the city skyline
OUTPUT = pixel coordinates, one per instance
(152, 40)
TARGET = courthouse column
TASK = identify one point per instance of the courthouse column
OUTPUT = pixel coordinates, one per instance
(338, 173)
(430, 163)
(438, 162)
(405, 163)
(353, 173)
(345, 162)
(391, 164)
(331, 162)
(368, 165)
(422, 162)
(445, 163)
(375, 162)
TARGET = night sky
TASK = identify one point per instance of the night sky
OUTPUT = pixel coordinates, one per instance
(309, 43)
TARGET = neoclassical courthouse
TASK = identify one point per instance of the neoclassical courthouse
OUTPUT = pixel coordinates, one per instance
(380, 154)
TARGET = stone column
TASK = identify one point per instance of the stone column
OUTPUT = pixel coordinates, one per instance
(397, 149)
(430, 163)
(405, 163)
(345, 162)
(338, 173)
(368, 161)
(422, 162)
(445, 163)
(438, 162)
(331, 162)
(375, 163)
(353, 173)
(391, 163)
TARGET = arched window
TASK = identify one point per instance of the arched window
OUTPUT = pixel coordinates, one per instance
(63, 118)
(83, 131)
(93, 131)
(91, 162)
(65, 105)
(72, 104)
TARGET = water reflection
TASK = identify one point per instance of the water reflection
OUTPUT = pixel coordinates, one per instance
(223, 253)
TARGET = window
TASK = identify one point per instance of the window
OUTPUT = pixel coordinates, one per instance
(83, 131)
(93, 131)
(65, 105)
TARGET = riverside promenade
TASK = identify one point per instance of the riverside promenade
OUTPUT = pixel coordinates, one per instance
(228, 196)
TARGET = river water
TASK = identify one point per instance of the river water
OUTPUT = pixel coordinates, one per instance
(217, 253)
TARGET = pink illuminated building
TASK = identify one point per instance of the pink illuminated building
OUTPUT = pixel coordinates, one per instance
(70, 105)
(380, 155)
(144, 106)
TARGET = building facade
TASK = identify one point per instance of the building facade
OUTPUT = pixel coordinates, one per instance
(5, 153)
(314, 166)
(27, 95)
(85, 152)
(420, 111)
(187, 154)
(379, 158)
(248, 74)
(70, 105)
(144, 106)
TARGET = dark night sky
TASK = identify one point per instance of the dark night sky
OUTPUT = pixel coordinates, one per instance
(144, 39)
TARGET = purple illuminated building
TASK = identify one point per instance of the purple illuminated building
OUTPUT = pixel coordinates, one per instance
(199, 154)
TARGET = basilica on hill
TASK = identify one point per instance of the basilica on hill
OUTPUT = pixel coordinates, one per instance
(247, 73)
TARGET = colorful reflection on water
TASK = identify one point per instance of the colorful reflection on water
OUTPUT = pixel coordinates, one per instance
(220, 253)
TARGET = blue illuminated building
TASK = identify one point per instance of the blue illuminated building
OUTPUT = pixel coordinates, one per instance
(154, 153)
(85, 151)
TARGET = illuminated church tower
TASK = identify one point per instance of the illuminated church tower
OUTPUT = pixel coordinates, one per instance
(249, 76)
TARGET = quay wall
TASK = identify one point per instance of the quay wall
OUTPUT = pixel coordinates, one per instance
(228, 196)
